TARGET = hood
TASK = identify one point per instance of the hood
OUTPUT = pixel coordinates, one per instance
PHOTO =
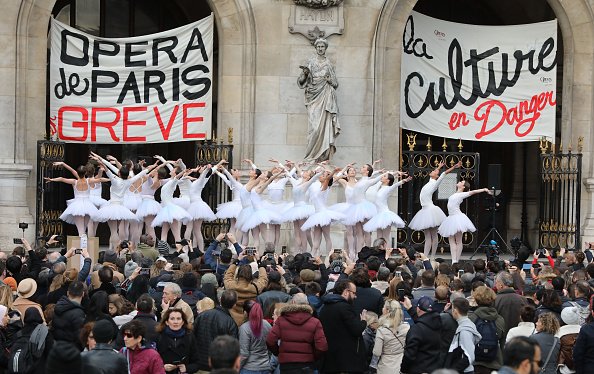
(431, 320)
(466, 324)
(332, 299)
(64, 305)
(486, 312)
(297, 314)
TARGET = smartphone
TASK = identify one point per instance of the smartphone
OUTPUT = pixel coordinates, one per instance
(284, 249)
(145, 271)
(526, 267)
(270, 256)
(250, 251)
(338, 251)
(460, 273)
(17, 241)
(398, 274)
(400, 294)
(77, 251)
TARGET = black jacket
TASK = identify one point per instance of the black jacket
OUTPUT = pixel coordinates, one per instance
(149, 321)
(583, 350)
(343, 329)
(68, 319)
(448, 330)
(207, 326)
(421, 352)
(369, 299)
(103, 360)
(179, 350)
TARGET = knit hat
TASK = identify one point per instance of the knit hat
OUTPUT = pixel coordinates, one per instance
(161, 258)
(129, 268)
(63, 358)
(11, 282)
(3, 311)
(163, 247)
(307, 275)
(110, 256)
(103, 331)
(209, 278)
(570, 316)
(425, 304)
(27, 288)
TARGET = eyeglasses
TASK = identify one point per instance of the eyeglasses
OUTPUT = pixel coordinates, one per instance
(129, 335)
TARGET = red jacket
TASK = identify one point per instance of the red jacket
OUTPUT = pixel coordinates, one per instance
(297, 336)
(143, 361)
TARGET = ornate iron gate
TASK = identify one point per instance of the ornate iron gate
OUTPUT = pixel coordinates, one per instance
(560, 196)
(48, 210)
(419, 164)
(216, 191)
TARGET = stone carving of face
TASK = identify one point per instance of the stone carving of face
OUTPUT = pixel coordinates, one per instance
(321, 48)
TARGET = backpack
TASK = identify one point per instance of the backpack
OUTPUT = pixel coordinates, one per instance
(27, 350)
(486, 349)
(582, 311)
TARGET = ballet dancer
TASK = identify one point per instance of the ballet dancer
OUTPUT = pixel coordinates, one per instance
(149, 207)
(322, 218)
(429, 217)
(246, 203)
(114, 212)
(231, 209)
(383, 221)
(80, 209)
(457, 223)
(276, 201)
(171, 215)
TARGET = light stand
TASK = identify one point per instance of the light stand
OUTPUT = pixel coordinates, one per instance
(493, 232)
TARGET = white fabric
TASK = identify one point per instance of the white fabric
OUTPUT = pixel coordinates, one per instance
(384, 217)
(456, 221)
(430, 215)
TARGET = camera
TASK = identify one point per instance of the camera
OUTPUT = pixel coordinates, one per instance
(23, 225)
(250, 251)
(145, 271)
(270, 256)
(17, 241)
(336, 267)
(492, 251)
(337, 251)
(284, 249)
(398, 274)
(460, 273)
(77, 251)
(124, 244)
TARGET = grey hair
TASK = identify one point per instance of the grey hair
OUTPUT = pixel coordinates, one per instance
(299, 298)
(379, 241)
(457, 295)
(505, 278)
(59, 268)
(174, 287)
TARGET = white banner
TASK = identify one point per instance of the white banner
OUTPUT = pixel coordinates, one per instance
(485, 83)
(146, 89)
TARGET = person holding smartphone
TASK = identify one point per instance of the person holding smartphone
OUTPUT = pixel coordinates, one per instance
(176, 343)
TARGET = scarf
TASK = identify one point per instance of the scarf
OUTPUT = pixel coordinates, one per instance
(175, 334)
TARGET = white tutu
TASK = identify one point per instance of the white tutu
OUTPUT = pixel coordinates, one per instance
(322, 218)
(229, 209)
(200, 210)
(300, 211)
(98, 201)
(359, 212)
(258, 217)
(114, 211)
(132, 201)
(183, 202)
(383, 220)
(169, 213)
(79, 207)
(340, 207)
(148, 207)
(426, 218)
(243, 216)
(278, 208)
(454, 224)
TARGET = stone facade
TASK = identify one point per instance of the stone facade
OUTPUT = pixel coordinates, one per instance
(258, 96)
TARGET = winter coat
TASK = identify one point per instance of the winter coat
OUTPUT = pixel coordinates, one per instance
(508, 304)
(523, 329)
(567, 337)
(40, 364)
(103, 359)
(583, 351)
(268, 298)
(297, 336)
(252, 349)
(207, 326)
(422, 347)
(389, 348)
(343, 328)
(448, 330)
(69, 318)
(245, 291)
(547, 342)
(489, 313)
(143, 361)
(369, 299)
(466, 337)
(22, 305)
(182, 350)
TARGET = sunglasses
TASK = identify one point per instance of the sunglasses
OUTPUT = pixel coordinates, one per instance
(129, 335)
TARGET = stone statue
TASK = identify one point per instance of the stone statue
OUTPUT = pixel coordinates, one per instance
(318, 3)
(319, 81)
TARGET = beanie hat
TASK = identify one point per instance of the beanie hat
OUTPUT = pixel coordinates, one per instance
(103, 331)
(129, 268)
(110, 256)
(570, 316)
(209, 278)
(11, 282)
(425, 304)
(63, 358)
(307, 275)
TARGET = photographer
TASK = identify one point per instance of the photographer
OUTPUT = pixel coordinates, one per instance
(246, 286)
(218, 259)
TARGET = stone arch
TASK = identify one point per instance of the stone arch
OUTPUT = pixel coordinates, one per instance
(575, 21)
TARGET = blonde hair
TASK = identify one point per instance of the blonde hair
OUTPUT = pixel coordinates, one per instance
(62, 279)
(205, 304)
(372, 319)
(549, 323)
(157, 267)
(484, 296)
(442, 280)
(393, 316)
(6, 296)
